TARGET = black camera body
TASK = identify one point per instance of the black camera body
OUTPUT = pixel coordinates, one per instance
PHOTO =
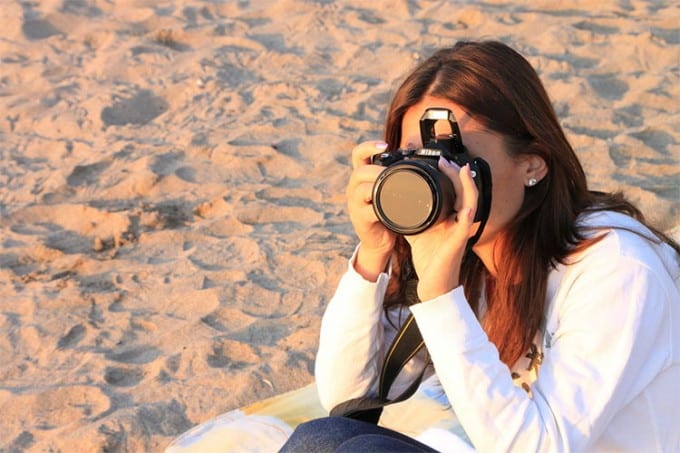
(411, 194)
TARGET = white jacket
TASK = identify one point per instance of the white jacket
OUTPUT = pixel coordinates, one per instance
(609, 378)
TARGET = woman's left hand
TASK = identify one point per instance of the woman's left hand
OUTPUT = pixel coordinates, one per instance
(437, 252)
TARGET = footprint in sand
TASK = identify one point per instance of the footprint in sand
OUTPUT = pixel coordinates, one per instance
(234, 355)
(629, 116)
(73, 337)
(22, 442)
(87, 174)
(34, 27)
(123, 377)
(137, 355)
(608, 86)
(140, 108)
(656, 139)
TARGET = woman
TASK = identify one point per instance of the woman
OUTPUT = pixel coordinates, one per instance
(559, 330)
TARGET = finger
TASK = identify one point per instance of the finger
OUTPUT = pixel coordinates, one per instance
(469, 196)
(363, 219)
(360, 193)
(452, 170)
(364, 175)
(362, 153)
(366, 214)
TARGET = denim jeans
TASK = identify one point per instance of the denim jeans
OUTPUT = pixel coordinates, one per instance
(340, 434)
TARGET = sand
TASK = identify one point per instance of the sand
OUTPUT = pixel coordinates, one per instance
(172, 212)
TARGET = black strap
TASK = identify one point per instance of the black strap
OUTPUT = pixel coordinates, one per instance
(405, 345)
(483, 182)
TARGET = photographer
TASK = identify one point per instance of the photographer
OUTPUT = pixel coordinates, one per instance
(556, 328)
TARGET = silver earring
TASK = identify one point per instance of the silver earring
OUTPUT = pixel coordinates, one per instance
(531, 182)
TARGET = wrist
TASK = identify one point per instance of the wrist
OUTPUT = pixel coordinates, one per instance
(439, 281)
(370, 263)
(428, 292)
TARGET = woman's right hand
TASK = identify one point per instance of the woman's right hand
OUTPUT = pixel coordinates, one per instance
(377, 241)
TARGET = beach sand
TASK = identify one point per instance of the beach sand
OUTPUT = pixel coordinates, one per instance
(172, 178)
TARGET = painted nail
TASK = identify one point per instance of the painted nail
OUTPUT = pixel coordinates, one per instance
(448, 163)
(381, 145)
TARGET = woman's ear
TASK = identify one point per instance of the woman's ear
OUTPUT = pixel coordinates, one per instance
(535, 169)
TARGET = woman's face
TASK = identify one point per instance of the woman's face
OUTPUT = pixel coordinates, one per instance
(509, 175)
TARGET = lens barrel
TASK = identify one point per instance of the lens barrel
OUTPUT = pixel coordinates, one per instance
(410, 196)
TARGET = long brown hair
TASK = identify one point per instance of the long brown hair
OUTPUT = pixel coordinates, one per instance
(500, 89)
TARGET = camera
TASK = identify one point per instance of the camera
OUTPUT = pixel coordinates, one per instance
(411, 194)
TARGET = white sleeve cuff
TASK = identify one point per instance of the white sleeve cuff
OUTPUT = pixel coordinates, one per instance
(451, 313)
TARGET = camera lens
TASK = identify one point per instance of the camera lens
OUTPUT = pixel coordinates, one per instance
(407, 197)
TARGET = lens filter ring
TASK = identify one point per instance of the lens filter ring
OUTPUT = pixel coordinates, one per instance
(407, 198)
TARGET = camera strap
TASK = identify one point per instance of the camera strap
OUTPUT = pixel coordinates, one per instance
(404, 347)
(483, 200)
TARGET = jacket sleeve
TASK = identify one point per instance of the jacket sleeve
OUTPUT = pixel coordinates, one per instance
(351, 339)
(611, 339)
(355, 334)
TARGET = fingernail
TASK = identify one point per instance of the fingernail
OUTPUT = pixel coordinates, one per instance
(446, 162)
(381, 145)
